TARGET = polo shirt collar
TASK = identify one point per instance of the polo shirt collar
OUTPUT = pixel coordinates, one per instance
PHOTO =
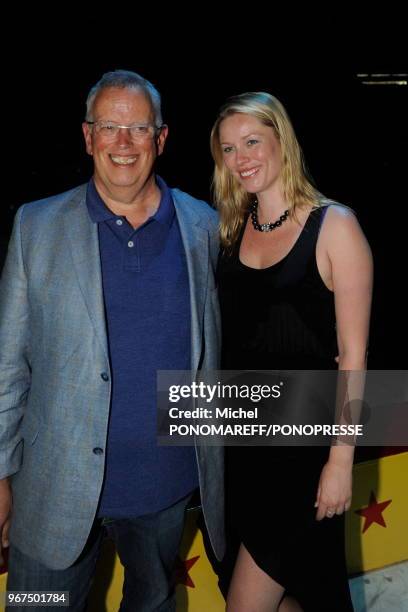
(99, 212)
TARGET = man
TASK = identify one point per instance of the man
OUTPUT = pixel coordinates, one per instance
(103, 286)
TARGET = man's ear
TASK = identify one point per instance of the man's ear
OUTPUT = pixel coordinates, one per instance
(161, 138)
(87, 132)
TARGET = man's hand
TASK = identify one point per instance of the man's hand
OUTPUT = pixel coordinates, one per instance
(5, 513)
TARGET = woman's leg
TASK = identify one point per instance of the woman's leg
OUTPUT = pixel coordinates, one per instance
(288, 604)
(251, 589)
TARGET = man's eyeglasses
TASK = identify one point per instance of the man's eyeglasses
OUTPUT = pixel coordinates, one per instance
(138, 132)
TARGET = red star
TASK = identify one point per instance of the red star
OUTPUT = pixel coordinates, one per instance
(373, 512)
(182, 569)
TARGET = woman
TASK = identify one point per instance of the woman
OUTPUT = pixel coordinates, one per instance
(295, 281)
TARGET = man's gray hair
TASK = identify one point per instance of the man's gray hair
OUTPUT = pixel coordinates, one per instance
(125, 79)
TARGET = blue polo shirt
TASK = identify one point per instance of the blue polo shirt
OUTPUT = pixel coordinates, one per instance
(147, 304)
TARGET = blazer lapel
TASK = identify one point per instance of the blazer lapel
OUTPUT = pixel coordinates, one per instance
(195, 242)
(83, 240)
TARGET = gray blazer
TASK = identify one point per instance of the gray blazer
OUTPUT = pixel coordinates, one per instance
(54, 404)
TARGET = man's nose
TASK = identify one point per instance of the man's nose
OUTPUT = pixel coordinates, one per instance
(123, 136)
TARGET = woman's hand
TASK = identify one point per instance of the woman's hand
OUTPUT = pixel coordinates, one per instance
(334, 490)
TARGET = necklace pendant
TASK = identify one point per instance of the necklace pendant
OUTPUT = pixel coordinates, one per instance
(266, 227)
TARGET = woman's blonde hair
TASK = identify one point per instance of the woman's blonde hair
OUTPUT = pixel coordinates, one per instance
(230, 197)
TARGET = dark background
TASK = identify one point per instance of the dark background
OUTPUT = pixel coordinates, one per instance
(354, 136)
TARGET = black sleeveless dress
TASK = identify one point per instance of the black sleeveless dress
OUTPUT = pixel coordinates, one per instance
(282, 317)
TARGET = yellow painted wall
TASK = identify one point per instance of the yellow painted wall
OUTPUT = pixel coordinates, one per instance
(379, 545)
